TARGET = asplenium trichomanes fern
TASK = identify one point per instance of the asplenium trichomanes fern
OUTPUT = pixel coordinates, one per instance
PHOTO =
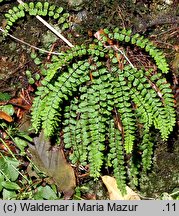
(102, 102)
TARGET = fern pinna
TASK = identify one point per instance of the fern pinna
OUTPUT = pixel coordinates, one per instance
(102, 102)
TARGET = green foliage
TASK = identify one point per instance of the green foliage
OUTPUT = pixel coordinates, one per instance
(8, 168)
(4, 96)
(116, 155)
(8, 175)
(9, 109)
(15, 183)
(34, 9)
(144, 43)
(173, 196)
(46, 193)
(99, 105)
(30, 76)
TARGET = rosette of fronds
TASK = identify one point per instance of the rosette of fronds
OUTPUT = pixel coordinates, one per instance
(100, 103)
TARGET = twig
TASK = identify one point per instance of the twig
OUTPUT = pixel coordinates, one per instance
(98, 36)
(116, 48)
(146, 198)
(51, 28)
(174, 193)
(21, 41)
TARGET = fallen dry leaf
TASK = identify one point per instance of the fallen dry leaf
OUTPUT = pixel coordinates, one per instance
(114, 192)
(20, 102)
(7, 146)
(5, 116)
(52, 161)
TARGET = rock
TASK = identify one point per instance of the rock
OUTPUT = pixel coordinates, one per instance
(76, 4)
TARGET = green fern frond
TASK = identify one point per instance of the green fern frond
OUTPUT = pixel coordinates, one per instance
(34, 9)
(134, 165)
(62, 89)
(146, 147)
(144, 43)
(123, 106)
(116, 156)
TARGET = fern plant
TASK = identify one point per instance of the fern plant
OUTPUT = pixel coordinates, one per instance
(99, 105)
(102, 103)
